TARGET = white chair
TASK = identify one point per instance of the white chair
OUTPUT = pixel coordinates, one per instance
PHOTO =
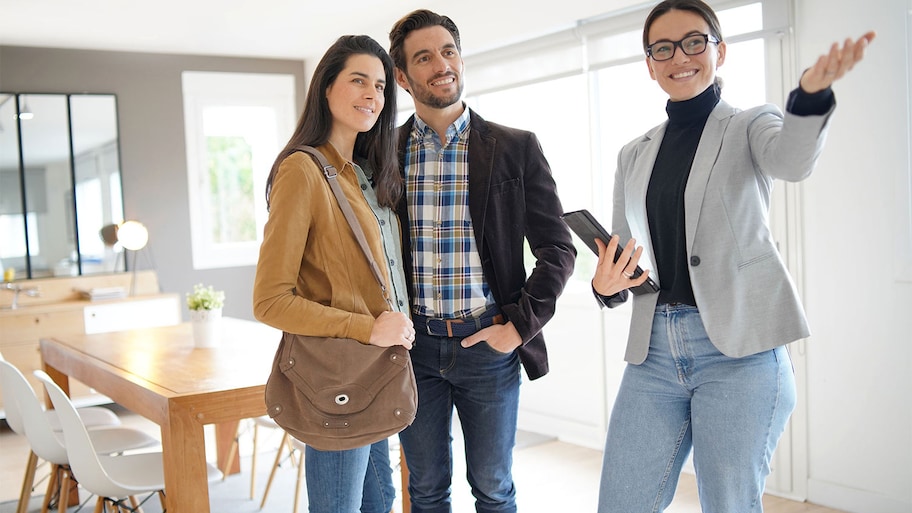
(93, 416)
(48, 444)
(114, 479)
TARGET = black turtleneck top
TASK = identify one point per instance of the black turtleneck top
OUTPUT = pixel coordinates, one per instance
(665, 194)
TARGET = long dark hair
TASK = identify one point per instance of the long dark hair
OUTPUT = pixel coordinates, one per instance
(415, 20)
(695, 6)
(377, 146)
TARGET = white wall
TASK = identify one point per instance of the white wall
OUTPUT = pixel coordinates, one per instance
(586, 354)
(851, 447)
(858, 291)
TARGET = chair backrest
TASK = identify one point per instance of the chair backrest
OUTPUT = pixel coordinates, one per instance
(10, 405)
(83, 460)
(26, 415)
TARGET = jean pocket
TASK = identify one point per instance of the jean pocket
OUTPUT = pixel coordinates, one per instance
(488, 348)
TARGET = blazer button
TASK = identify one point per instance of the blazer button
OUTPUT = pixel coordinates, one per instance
(694, 261)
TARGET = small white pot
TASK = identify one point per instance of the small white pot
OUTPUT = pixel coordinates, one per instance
(207, 327)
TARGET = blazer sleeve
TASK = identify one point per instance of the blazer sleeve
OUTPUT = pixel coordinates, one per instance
(786, 147)
(549, 240)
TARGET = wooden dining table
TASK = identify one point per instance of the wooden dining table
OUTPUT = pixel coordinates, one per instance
(159, 374)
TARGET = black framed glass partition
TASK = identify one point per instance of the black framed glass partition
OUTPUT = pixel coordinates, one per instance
(60, 183)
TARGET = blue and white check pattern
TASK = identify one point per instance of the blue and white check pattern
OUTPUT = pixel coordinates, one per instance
(448, 280)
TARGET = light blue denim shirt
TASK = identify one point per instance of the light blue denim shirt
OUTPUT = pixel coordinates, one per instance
(392, 246)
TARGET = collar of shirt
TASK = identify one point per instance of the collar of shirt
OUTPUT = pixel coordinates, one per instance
(458, 128)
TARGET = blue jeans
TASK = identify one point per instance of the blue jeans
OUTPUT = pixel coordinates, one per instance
(349, 481)
(687, 394)
(483, 385)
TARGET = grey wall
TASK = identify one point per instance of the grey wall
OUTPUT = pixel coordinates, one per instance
(153, 156)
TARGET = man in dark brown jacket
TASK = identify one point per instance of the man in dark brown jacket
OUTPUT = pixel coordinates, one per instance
(475, 193)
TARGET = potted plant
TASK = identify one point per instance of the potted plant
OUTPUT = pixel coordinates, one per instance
(205, 304)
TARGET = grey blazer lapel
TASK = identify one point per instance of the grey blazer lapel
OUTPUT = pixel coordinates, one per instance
(702, 168)
(638, 184)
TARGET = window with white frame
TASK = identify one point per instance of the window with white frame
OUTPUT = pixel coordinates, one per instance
(236, 123)
(587, 92)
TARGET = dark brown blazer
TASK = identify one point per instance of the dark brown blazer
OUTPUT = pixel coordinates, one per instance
(512, 198)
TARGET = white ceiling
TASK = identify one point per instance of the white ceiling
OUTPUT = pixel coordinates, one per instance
(298, 29)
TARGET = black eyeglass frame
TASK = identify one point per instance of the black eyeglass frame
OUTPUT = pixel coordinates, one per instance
(707, 38)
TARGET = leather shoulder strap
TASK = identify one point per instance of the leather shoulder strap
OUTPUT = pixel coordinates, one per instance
(331, 174)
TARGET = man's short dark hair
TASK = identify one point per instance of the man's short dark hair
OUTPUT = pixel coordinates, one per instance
(415, 20)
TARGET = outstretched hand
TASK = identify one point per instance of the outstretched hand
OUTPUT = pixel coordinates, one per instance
(832, 66)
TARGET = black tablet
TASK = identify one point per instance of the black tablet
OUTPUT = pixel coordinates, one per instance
(588, 229)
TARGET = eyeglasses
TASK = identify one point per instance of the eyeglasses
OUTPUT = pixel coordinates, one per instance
(690, 45)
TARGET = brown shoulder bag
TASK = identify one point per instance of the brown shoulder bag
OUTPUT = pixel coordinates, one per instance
(336, 393)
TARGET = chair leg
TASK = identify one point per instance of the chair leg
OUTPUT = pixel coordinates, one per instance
(63, 499)
(292, 452)
(253, 459)
(51, 488)
(27, 482)
(297, 497)
(231, 454)
(274, 467)
(163, 501)
(404, 472)
(135, 505)
(99, 505)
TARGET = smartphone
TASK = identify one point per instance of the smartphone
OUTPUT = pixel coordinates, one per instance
(584, 224)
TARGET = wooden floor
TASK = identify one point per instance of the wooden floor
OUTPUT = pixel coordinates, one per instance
(550, 477)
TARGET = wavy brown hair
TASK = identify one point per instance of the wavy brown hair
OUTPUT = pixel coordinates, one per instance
(376, 147)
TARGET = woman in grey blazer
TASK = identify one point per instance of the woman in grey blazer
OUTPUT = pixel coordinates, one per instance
(707, 364)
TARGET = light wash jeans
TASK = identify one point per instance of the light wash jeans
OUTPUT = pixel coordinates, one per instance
(349, 481)
(687, 394)
(483, 385)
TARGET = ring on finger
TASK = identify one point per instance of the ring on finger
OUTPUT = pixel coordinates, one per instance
(627, 275)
